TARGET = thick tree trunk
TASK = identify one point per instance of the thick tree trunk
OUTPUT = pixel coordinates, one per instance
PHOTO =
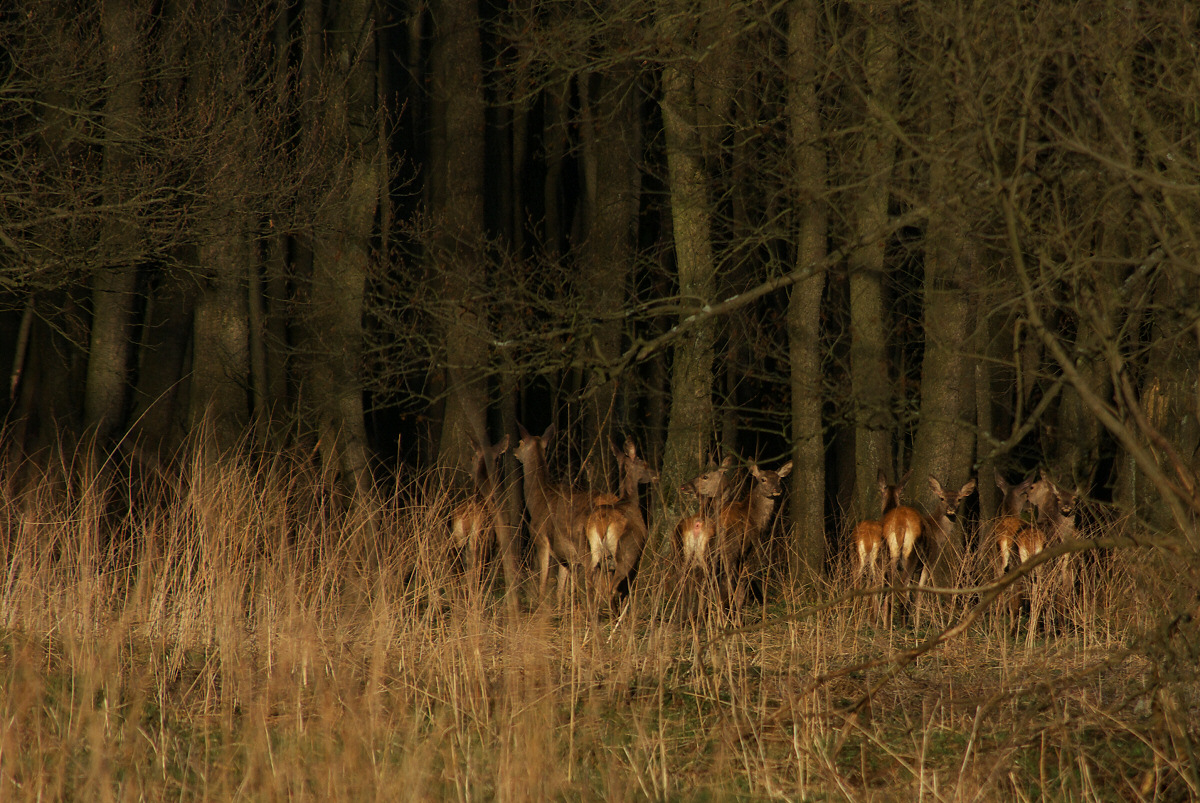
(159, 415)
(340, 256)
(611, 149)
(807, 499)
(870, 388)
(943, 442)
(113, 286)
(220, 406)
(456, 205)
(691, 415)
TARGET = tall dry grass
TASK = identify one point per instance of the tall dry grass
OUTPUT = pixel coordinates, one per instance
(240, 631)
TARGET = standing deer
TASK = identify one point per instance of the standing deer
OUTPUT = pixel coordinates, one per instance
(940, 523)
(556, 512)
(867, 536)
(742, 525)
(480, 522)
(1014, 540)
(1055, 523)
(902, 527)
(695, 535)
(1009, 530)
(616, 529)
(937, 527)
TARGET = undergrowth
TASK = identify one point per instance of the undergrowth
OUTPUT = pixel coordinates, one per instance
(241, 630)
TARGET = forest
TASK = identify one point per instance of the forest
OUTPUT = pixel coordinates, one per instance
(335, 249)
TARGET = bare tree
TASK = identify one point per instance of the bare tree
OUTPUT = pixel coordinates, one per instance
(691, 415)
(807, 499)
(871, 392)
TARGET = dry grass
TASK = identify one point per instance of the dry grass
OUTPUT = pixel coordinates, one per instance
(238, 634)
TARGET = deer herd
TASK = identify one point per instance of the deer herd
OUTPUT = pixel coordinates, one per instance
(719, 549)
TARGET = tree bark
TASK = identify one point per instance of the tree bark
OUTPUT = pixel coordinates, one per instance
(457, 208)
(870, 388)
(690, 421)
(611, 148)
(944, 440)
(341, 252)
(807, 499)
(220, 405)
(113, 287)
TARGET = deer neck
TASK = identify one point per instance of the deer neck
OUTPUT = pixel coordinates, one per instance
(941, 519)
(630, 499)
(537, 480)
(1063, 527)
(762, 505)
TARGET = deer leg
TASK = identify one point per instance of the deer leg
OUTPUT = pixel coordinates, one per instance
(543, 555)
(508, 560)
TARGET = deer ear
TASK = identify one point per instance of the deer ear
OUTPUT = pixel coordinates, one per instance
(935, 485)
(904, 480)
(523, 432)
(968, 488)
(549, 433)
(785, 469)
(727, 462)
(630, 448)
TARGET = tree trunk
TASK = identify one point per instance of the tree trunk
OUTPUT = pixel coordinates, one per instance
(611, 149)
(341, 253)
(869, 384)
(158, 417)
(220, 341)
(806, 551)
(691, 414)
(942, 447)
(114, 284)
(456, 205)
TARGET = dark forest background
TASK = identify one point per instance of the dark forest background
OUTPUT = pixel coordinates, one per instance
(957, 237)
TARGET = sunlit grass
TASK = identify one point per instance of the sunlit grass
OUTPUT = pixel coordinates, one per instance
(242, 631)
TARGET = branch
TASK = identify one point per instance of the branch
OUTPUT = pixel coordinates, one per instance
(642, 351)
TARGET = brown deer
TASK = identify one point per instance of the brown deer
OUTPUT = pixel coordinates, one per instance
(1009, 531)
(1055, 524)
(696, 533)
(695, 536)
(901, 527)
(867, 536)
(556, 512)
(480, 523)
(939, 524)
(742, 525)
(616, 529)
(936, 530)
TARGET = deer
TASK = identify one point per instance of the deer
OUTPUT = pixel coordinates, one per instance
(556, 511)
(480, 522)
(908, 533)
(901, 527)
(1009, 530)
(867, 536)
(939, 523)
(936, 528)
(695, 535)
(616, 529)
(1015, 541)
(1055, 522)
(742, 524)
